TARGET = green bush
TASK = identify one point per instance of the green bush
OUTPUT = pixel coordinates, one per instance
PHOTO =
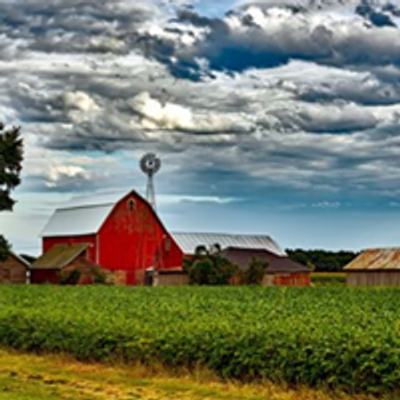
(70, 277)
(209, 267)
(99, 276)
(255, 273)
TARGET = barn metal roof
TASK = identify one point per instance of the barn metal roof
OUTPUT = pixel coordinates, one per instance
(59, 256)
(82, 215)
(188, 242)
(376, 259)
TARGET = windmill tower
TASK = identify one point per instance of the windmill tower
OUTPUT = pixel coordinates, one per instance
(150, 164)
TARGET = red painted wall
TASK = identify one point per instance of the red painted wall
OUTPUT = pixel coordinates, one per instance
(132, 239)
(90, 239)
(39, 276)
(293, 279)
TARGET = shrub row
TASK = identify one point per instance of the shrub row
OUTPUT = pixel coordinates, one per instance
(333, 337)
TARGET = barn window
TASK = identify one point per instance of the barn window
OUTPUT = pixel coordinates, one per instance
(131, 204)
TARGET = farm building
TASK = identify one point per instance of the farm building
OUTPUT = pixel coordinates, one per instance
(240, 250)
(61, 260)
(121, 231)
(14, 269)
(375, 267)
(122, 234)
(281, 270)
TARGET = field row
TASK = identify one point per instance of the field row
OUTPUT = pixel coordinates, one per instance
(331, 337)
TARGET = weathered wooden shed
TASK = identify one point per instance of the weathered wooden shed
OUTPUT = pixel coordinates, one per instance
(375, 267)
(63, 259)
(14, 269)
(281, 270)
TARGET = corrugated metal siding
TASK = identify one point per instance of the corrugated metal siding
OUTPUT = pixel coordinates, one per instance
(379, 278)
(188, 242)
(376, 259)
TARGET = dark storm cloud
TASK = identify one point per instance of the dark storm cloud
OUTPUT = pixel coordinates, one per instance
(259, 37)
(34, 108)
(377, 18)
(333, 119)
(251, 37)
(369, 92)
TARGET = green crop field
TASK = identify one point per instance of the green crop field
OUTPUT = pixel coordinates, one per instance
(340, 338)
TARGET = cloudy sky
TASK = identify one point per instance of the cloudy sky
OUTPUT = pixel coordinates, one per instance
(278, 117)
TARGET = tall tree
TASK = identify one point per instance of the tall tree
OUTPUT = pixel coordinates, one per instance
(11, 157)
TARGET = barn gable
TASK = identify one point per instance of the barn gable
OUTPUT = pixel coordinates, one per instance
(82, 215)
(85, 215)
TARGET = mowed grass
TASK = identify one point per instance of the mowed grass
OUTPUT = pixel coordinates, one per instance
(334, 338)
(49, 377)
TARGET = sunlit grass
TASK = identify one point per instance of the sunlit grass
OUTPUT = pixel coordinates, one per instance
(33, 377)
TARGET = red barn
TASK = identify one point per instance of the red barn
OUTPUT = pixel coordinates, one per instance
(122, 232)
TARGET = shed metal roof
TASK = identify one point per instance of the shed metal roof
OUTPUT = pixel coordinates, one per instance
(188, 242)
(82, 215)
(59, 256)
(243, 258)
(376, 259)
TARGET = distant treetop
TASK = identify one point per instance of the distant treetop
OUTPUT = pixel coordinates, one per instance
(322, 260)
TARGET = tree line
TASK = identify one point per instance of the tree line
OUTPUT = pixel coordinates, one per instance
(322, 260)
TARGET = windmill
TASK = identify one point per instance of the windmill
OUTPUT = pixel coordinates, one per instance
(150, 164)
